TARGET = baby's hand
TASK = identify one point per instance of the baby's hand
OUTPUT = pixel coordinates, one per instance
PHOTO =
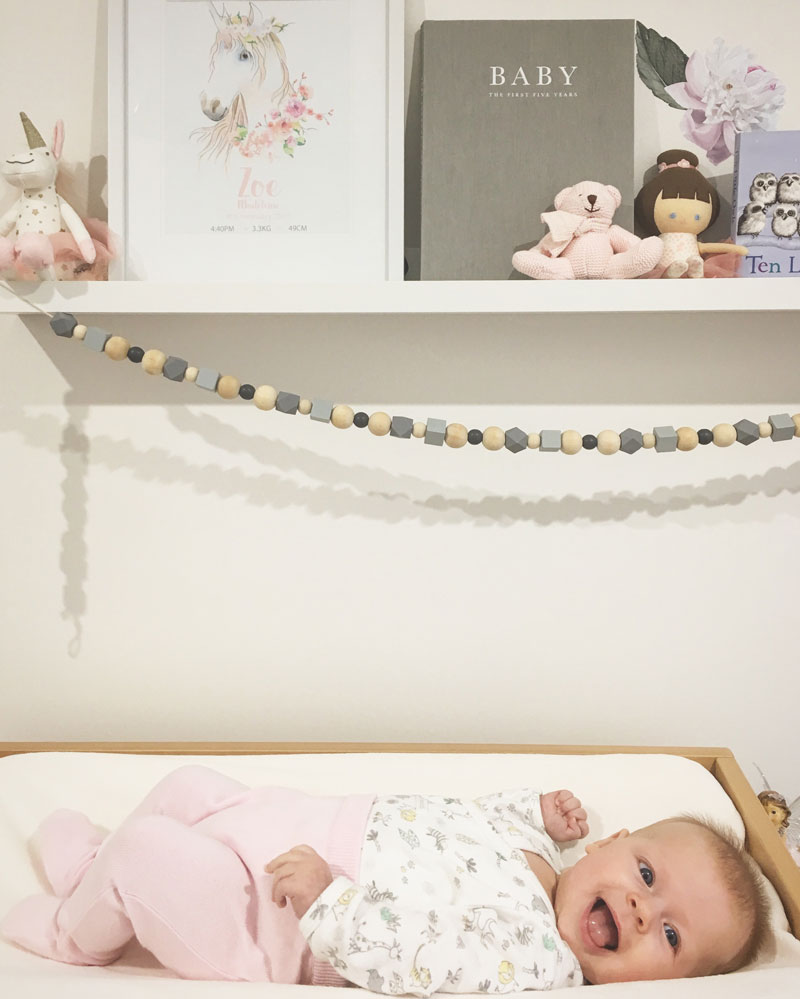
(564, 819)
(300, 875)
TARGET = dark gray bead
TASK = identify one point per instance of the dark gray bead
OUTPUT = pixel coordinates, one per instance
(402, 426)
(629, 441)
(175, 369)
(516, 440)
(746, 431)
(287, 402)
(63, 323)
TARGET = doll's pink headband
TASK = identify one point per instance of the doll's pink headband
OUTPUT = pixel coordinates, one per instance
(680, 163)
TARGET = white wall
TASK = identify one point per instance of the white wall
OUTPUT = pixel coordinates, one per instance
(176, 568)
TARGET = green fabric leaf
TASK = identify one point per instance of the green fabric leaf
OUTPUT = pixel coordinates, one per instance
(660, 63)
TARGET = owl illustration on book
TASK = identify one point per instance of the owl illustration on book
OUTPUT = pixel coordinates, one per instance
(764, 188)
(752, 220)
(784, 221)
(789, 189)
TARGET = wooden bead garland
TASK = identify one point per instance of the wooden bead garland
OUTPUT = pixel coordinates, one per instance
(778, 427)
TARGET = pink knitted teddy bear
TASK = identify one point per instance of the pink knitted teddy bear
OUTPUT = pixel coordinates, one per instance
(582, 242)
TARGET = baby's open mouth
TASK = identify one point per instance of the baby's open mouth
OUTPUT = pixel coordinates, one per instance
(602, 929)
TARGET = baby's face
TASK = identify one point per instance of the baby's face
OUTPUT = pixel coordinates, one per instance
(649, 905)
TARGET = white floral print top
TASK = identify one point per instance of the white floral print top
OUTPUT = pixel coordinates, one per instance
(447, 901)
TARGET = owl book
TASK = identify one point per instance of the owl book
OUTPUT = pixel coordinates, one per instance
(766, 203)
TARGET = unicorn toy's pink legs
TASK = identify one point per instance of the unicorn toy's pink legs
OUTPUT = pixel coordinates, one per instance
(35, 250)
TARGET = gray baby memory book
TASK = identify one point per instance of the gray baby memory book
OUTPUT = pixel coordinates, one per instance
(512, 112)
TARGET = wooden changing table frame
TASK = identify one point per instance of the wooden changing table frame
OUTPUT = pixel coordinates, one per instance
(763, 841)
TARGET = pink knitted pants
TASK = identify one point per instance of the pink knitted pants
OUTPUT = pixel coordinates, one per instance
(184, 875)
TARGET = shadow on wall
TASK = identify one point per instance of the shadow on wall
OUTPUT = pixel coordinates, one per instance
(337, 490)
(528, 359)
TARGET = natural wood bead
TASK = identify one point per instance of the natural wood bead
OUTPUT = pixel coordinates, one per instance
(765, 429)
(534, 440)
(724, 434)
(80, 331)
(342, 417)
(153, 361)
(494, 438)
(455, 435)
(687, 439)
(228, 387)
(648, 440)
(608, 442)
(265, 397)
(571, 442)
(380, 424)
(418, 430)
(796, 419)
(191, 374)
(117, 348)
(304, 407)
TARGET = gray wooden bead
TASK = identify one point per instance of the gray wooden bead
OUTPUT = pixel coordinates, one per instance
(630, 441)
(783, 427)
(550, 440)
(207, 379)
(516, 440)
(746, 431)
(63, 323)
(435, 431)
(321, 410)
(175, 369)
(95, 339)
(401, 426)
(666, 438)
(287, 402)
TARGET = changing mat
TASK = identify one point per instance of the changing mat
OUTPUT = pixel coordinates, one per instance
(618, 790)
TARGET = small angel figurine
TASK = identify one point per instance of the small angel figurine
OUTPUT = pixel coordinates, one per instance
(678, 204)
(41, 227)
(779, 812)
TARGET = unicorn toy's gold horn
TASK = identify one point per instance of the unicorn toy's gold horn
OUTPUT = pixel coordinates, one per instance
(35, 141)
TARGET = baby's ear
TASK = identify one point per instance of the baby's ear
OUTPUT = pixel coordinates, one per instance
(620, 834)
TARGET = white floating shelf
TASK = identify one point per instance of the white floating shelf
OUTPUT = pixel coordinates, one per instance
(422, 297)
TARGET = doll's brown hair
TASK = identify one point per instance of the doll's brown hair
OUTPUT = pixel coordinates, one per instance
(673, 182)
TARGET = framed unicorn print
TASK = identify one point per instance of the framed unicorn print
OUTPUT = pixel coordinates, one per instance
(256, 141)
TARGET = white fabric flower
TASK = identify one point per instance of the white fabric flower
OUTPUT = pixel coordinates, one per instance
(726, 92)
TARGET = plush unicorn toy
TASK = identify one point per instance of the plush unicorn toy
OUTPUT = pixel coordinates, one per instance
(28, 227)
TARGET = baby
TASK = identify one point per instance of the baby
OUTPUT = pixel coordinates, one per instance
(398, 894)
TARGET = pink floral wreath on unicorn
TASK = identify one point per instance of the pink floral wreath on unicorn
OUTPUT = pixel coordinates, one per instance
(256, 107)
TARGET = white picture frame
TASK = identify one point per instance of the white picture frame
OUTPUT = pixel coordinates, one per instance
(164, 196)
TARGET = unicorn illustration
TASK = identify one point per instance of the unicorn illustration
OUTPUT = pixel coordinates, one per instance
(250, 95)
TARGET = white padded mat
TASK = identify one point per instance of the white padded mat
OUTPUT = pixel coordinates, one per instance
(617, 790)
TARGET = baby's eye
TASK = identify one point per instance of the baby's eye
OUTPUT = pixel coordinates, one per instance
(697, 218)
(671, 935)
(647, 875)
(673, 215)
(244, 55)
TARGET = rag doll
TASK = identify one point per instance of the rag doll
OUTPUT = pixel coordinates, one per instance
(677, 205)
